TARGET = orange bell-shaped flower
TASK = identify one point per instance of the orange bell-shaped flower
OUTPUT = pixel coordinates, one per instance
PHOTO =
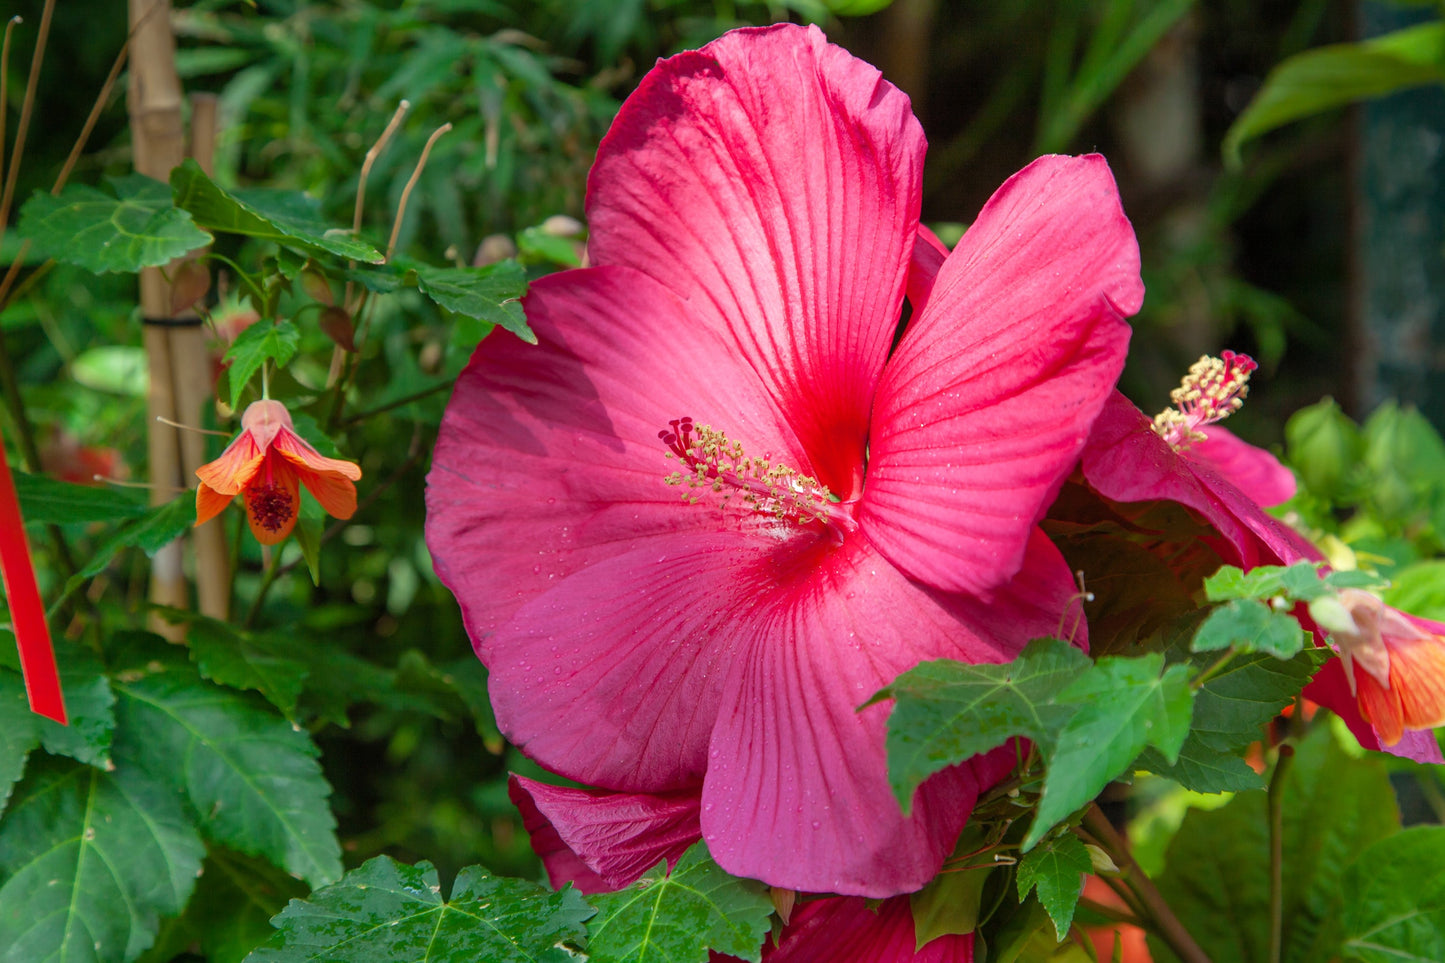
(266, 464)
(1396, 666)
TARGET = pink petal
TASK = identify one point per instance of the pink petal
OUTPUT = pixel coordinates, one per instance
(796, 791)
(614, 677)
(929, 254)
(614, 837)
(988, 400)
(1127, 462)
(548, 458)
(848, 930)
(1253, 471)
(562, 865)
(773, 181)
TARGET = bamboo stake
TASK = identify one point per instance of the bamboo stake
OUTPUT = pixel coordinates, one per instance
(154, 100)
(191, 372)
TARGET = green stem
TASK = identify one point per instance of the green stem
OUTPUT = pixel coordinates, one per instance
(240, 273)
(1156, 911)
(1276, 853)
(272, 572)
(1212, 669)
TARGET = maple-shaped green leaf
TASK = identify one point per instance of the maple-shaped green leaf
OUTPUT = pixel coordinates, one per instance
(256, 345)
(678, 917)
(389, 912)
(19, 731)
(948, 711)
(1124, 705)
(250, 776)
(1250, 626)
(1216, 875)
(91, 860)
(1055, 870)
(492, 293)
(286, 217)
(133, 228)
(1393, 899)
(49, 500)
(230, 657)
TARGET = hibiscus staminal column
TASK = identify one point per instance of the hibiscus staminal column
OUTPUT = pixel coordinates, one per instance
(715, 463)
(1214, 389)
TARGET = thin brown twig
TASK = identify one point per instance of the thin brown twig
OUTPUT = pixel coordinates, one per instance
(406, 191)
(26, 106)
(101, 100)
(4, 75)
(1151, 902)
(370, 159)
(1275, 807)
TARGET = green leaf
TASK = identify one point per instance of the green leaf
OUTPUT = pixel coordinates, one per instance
(250, 776)
(535, 244)
(1232, 706)
(1339, 74)
(228, 657)
(91, 860)
(1393, 899)
(1231, 582)
(678, 917)
(151, 532)
(1298, 581)
(1202, 769)
(46, 500)
(947, 711)
(229, 915)
(1216, 876)
(19, 732)
(1124, 705)
(119, 369)
(257, 344)
(88, 704)
(137, 227)
(492, 293)
(386, 912)
(1230, 711)
(952, 902)
(1055, 869)
(1250, 626)
(1419, 590)
(286, 217)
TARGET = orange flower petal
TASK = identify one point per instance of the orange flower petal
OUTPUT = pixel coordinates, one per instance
(336, 494)
(299, 452)
(235, 468)
(210, 503)
(272, 501)
(1417, 675)
(1380, 707)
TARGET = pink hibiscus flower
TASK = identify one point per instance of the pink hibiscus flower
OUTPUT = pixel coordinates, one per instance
(1126, 460)
(601, 842)
(709, 515)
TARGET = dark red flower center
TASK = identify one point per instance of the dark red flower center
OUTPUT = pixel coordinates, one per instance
(711, 462)
(270, 505)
